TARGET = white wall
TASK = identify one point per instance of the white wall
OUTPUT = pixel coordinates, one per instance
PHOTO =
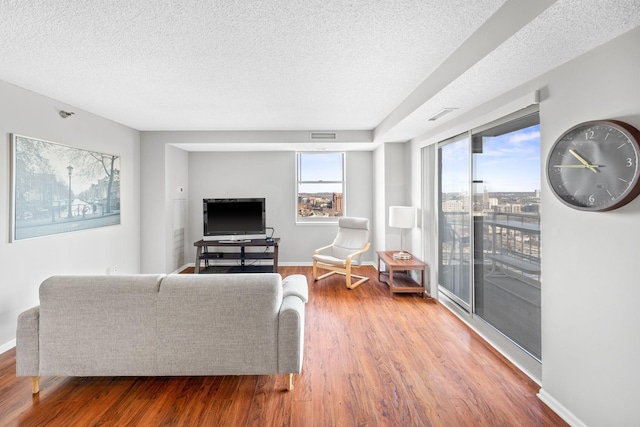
(379, 200)
(26, 263)
(393, 184)
(176, 205)
(424, 238)
(271, 174)
(590, 268)
(153, 210)
(235, 175)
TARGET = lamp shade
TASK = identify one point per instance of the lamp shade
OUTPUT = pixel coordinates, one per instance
(402, 216)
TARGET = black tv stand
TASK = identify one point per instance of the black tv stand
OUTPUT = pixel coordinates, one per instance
(236, 262)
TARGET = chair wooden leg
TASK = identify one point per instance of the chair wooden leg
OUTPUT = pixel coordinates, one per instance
(35, 385)
(347, 274)
(359, 282)
(325, 275)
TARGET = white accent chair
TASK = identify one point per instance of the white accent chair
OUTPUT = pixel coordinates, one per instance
(345, 251)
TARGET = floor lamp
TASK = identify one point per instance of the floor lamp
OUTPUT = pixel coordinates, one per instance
(402, 217)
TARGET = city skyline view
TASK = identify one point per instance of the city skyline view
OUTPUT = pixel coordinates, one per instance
(324, 204)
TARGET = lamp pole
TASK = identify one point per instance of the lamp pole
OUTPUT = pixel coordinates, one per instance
(53, 211)
(70, 168)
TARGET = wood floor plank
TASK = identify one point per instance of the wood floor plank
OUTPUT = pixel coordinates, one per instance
(242, 400)
(302, 414)
(370, 359)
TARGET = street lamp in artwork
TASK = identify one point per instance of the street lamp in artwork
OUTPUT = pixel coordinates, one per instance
(70, 168)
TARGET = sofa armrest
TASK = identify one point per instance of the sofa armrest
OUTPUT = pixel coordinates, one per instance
(295, 285)
(291, 335)
(28, 343)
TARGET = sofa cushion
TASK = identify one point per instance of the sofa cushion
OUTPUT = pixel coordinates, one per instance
(221, 324)
(87, 321)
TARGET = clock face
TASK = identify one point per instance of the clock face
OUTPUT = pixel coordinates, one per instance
(594, 165)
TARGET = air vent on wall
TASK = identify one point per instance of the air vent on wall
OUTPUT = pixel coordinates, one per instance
(323, 136)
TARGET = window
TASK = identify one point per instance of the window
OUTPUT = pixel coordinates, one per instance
(320, 186)
(489, 227)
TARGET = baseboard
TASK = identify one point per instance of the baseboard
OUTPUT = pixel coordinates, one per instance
(559, 409)
(8, 346)
(283, 264)
(191, 264)
(310, 264)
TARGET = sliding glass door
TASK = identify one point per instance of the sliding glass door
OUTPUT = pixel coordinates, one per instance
(506, 193)
(454, 272)
(489, 227)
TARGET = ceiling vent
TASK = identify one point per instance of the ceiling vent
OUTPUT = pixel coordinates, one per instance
(441, 113)
(323, 136)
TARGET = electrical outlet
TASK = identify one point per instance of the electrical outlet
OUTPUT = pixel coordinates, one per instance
(114, 269)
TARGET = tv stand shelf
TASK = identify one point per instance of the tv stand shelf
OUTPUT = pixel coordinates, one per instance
(237, 261)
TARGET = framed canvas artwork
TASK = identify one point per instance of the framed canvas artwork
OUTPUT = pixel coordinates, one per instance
(59, 189)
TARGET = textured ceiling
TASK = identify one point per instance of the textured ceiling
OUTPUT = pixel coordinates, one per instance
(561, 33)
(287, 65)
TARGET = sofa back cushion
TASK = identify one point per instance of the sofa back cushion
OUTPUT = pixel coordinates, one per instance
(87, 321)
(227, 324)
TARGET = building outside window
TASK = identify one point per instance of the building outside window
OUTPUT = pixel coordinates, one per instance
(320, 186)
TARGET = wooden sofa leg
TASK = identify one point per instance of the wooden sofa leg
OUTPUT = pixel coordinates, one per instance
(35, 385)
(289, 382)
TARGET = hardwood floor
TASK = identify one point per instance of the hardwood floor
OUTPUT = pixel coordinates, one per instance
(370, 359)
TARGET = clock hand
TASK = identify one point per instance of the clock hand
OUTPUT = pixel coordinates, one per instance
(577, 166)
(583, 161)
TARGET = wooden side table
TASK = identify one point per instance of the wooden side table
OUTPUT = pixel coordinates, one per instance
(398, 277)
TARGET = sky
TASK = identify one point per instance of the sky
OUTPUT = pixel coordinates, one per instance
(508, 163)
(58, 158)
(320, 166)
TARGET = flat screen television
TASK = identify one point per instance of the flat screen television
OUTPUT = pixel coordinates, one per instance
(234, 219)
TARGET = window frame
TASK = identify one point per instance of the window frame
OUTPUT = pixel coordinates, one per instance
(299, 181)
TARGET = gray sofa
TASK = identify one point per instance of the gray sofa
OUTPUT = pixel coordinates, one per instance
(179, 324)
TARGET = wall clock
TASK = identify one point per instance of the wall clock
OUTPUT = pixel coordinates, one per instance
(594, 165)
